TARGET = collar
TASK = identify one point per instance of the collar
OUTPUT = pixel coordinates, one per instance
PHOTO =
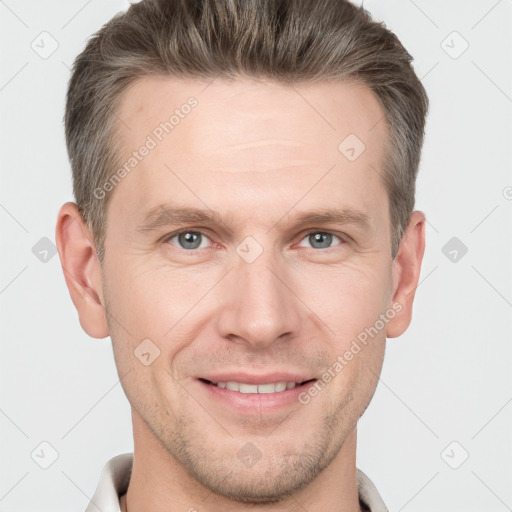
(116, 473)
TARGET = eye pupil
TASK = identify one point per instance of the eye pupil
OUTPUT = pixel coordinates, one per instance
(323, 239)
(189, 240)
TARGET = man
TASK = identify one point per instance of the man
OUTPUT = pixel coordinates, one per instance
(244, 175)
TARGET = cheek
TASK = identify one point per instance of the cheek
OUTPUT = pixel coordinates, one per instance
(348, 299)
(151, 312)
(148, 302)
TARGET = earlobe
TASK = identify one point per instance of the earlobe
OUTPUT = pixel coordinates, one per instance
(406, 273)
(82, 269)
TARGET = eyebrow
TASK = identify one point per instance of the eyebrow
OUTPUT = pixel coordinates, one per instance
(167, 215)
(164, 215)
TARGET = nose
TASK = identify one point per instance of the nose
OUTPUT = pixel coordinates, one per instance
(259, 306)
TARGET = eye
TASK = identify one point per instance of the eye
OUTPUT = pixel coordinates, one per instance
(188, 240)
(320, 239)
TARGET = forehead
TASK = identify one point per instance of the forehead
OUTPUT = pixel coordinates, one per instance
(271, 139)
(245, 108)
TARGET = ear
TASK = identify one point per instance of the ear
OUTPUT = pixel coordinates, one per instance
(406, 273)
(82, 269)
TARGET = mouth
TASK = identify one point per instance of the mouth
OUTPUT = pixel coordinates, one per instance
(264, 388)
(269, 394)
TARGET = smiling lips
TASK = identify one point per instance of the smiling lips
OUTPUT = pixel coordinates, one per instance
(254, 395)
(247, 384)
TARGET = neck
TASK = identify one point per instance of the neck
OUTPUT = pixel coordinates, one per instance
(160, 484)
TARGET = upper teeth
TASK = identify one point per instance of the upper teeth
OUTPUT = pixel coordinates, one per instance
(256, 388)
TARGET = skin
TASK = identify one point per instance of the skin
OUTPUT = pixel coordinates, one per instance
(257, 153)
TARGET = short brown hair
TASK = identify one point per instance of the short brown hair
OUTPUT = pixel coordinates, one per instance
(297, 41)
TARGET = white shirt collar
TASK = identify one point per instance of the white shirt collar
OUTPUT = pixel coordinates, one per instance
(116, 473)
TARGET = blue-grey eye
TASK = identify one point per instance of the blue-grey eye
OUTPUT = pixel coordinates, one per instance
(320, 239)
(189, 239)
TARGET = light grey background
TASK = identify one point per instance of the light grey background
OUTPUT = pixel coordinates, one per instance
(445, 391)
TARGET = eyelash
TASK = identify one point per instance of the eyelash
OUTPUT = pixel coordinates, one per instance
(169, 237)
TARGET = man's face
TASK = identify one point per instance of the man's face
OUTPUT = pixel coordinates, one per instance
(258, 296)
